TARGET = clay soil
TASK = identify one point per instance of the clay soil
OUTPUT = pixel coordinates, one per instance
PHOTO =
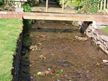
(58, 56)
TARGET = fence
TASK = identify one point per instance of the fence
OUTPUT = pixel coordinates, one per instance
(103, 4)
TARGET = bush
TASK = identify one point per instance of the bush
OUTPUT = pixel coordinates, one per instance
(89, 6)
(1, 2)
(73, 3)
(26, 22)
(26, 7)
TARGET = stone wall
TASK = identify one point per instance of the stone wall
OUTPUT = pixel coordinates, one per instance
(99, 37)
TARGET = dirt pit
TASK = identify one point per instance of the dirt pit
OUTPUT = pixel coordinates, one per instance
(55, 55)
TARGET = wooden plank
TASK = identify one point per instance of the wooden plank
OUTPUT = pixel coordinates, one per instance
(64, 18)
(104, 4)
(101, 5)
(62, 6)
(56, 10)
(46, 5)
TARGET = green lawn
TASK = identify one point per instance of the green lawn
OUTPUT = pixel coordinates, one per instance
(105, 30)
(9, 33)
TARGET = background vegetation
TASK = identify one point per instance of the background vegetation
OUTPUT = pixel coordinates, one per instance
(1, 2)
(84, 6)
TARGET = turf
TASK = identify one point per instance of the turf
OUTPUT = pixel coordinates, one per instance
(9, 33)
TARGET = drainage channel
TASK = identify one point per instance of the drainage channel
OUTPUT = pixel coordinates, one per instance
(51, 52)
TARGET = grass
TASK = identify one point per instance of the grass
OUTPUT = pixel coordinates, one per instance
(105, 30)
(9, 33)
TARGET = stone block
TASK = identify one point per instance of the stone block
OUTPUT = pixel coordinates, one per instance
(105, 38)
(98, 42)
(19, 9)
(99, 25)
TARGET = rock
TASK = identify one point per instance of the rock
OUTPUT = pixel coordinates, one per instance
(98, 37)
(98, 42)
(80, 23)
(100, 27)
(19, 9)
(105, 38)
(107, 45)
(81, 38)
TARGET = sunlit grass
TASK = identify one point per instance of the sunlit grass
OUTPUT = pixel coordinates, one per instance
(9, 33)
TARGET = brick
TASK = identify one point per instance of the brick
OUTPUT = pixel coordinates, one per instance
(17, 16)
(14, 16)
(8, 15)
(2, 16)
(5, 16)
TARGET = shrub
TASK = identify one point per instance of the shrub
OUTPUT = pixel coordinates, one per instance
(26, 7)
(26, 22)
(1, 2)
(73, 3)
(89, 6)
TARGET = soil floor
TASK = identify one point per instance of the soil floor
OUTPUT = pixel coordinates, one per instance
(55, 55)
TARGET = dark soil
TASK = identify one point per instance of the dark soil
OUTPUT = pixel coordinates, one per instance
(58, 56)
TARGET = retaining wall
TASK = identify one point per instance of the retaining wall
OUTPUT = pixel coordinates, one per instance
(99, 37)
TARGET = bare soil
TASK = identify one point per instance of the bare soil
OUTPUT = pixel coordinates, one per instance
(58, 56)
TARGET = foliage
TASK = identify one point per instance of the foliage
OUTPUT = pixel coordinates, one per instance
(33, 2)
(27, 41)
(26, 7)
(26, 22)
(26, 27)
(9, 33)
(89, 6)
(73, 3)
(1, 2)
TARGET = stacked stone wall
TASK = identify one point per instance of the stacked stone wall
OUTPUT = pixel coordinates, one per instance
(100, 39)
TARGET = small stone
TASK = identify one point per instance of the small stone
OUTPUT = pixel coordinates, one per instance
(98, 42)
(98, 37)
(107, 44)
